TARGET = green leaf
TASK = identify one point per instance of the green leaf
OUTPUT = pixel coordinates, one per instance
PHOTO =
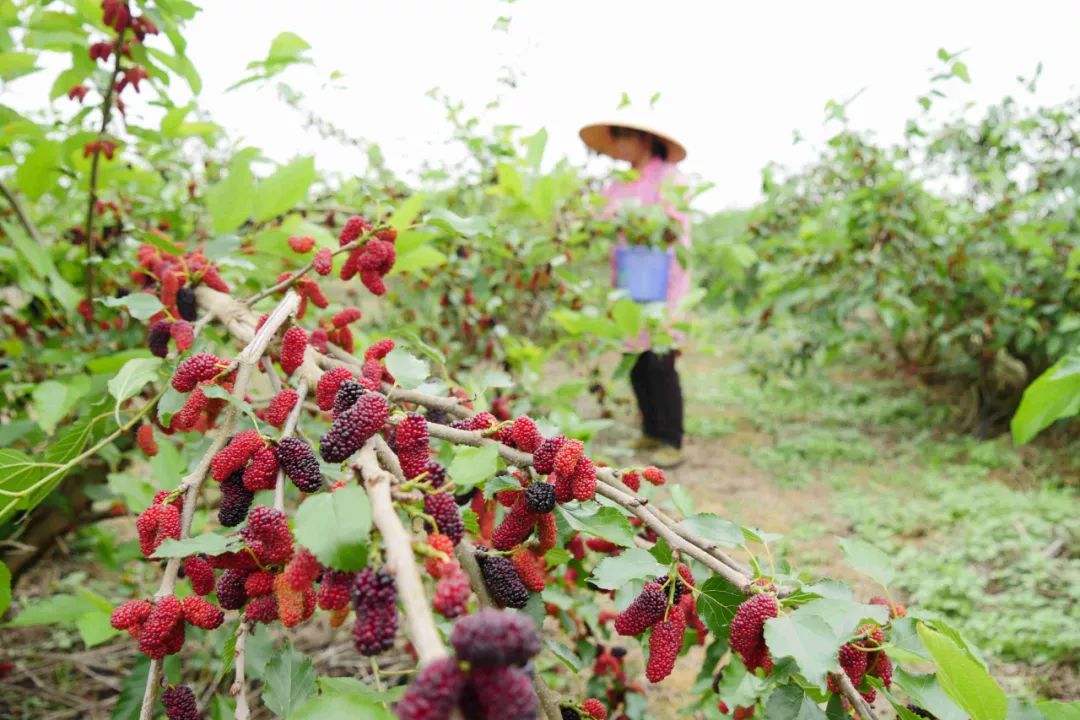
(16, 64)
(129, 703)
(844, 616)
(141, 305)
(739, 687)
(50, 404)
(421, 258)
(5, 588)
(336, 527)
(209, 543)
(232, 201)
(136, 492)
(681, 499)
(535, 145)
(287, 46)
(789, 702)
(567, 656)
(926, 692)
(714, 528)
(868, 560)
(95, 628)
(628, 316)
(596, 521)
(343, 705)
(469, 227)
(285, 189)
(351, 686)
(631, 564)
(133, 377)
(717, 603)
(473, 465)
(55, 609)
(38, 171)
(960, 70)
(405, 212)
(1054, 395)
(408, 370)
(808, 640)
(963, 678)
(1057, 710)
(170, 404)
(17, 473)
(289, 682)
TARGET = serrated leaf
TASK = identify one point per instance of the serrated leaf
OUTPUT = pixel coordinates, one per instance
(844, 616)
(133, 377)
(714, 528)
(632, 564)
(408, 370)
(141, 306)
(963, 678)
(739, 687)
(596, 521)
(50, 405)
(500, 482)
(209, 543)
(868, 560)
(808, 640)
(336, 527)
(406, 211)
(567, 656)
(421, 258)
(473, 465)
(717, 602)
(789, 702)
(926, 692)
(289, 682)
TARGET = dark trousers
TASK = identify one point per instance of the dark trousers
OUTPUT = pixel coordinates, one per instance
(659, 396)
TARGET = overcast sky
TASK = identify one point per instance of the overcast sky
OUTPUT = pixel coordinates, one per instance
(736, 78)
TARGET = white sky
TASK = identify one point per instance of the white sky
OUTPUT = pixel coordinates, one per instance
(736, 77)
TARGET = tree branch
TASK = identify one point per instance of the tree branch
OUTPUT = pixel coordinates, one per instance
(854, 697)
(239, 686)
(21, 214)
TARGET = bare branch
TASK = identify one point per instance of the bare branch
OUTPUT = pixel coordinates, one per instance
(21, 214)
(854, 697)
(239, 686)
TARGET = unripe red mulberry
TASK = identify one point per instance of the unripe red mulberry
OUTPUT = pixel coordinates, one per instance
(263, 609)
(444, 510)
(434, 692)
(183, 335)
(500, 692)
(323, 262)
(601, 545)
(525, 434)
(235, 455)
(352, 428)
(540, 498)
(235, 500)
(373, 281)
(594, 709)
(632, 480)
(260, 582)
(189, 414)
(180, 703)
(267, 535)
(507, 498)
(564, 487)
(335, 588)
(144, 438)
(379, 349)
(194, 370)
(853, 662)
(882, 668)
(436, 567)
(302, 570)
(157, 338)
(346, 316)
(746, 634)
(896, 610)
(293, 345)
(375, 602)
(230, 589)
(202, 613)
(547, 532)
(412, 445)
(654, 475)
(646, 610)
(502, 580)
(277, 412)
(492, 638)
(664, 645)
(155, 524)
(301, 243)
(354, 227)
(154, 640)
(584, 480)
(451, 598)
(514, 528)
(201, 574)
(298, 461)
(543, 459)
(327, 388)
(290, 602)
(131, 614)
(531, 575)
(566, 459)
(261, 474)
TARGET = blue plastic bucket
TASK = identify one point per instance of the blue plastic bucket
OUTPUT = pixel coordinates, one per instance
(643, 272)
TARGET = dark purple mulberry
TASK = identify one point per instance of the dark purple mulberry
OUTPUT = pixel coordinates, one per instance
(298, 461)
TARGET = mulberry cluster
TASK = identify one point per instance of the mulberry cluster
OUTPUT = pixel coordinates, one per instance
(163, 632)
(180, 703)
(327, 387)
(298, 461)
(442, 508)
(413, 448)
(373, 260)
(646, 610)
(235, 500)
(200, 572)
(196, 369)
(747, 630)
(502, 580)
(352, 428)
(375, 602)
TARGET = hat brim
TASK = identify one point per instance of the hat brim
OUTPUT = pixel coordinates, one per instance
(598, 137)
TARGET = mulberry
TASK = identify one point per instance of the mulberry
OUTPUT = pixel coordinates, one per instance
(373, 281)
(230, 589)
(298, 461)
(183, 335)
(531, 575)
(157, 338)
(189, 414)
(346, 316)
(566, 459)
(263, 609)
(853, 662)
(547, 532)
(131, 614)
(235, 500)
(354, 227)
(646, 610)
(540, 498)
(180, 703)
(583, 481)
(352, 428)
(290, 602)
(451, 598)
(896, 610)
(185, 304)
(260, 582)
(601, 545)
(144, 438)
(654, 475)
(267, 535)
(194, 370)
(301, 243)
(277, 412)
(334, 589)
(155, 639)
(502, 580)
(235, 455)
(375, 602)
(412, 445)
(438, 568)
(347, 395)
(664, 645)
(882, 669)
(746, 633)
(436, 473)
(202, 613)
(544, 457)
(155, 524)
(514, 528)
(302, 570)
(564, 488)
(323, 262)
(632, 480)
(327, 388)
(594, 709)
(261, 474)
(525, 434)
(493, 638)
(444, 510)
(500, 692)
(293, 344)
(434, 692)
(201, 574)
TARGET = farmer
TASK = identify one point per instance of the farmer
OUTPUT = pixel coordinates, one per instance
(652, 154)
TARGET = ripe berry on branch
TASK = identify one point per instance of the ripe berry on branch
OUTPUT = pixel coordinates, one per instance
(594, 709)
(346, 316)
(230, 589)
(566, 459)
(529, 570)
(583, 481)
(525, 434)
(301, 243)
(540, 498)
(263, 609)
(502, 580)
(277, 412)
(157, 338)
(379, 349)
(183, 335)
(267, 535)
(298, 461)
(235, 500)
(293, 345)
(196, 369)
(746, 633)
(200, 612)
(179, 702)
(442, 508)
(664, 645)
(492, 638)
(302, 570)
(158, 633)
(354, 227)
(352, 428)
(261, 474)
(547, 532)
(185, 304)
(236, 454)
(198, 570)
(329, 383)
(438, 568)
(452, 594)
(144, 438)
(131, 614)
(348, 393)
(632, 480)
(434, 692)
(646, 610)
(323, 262)
(155, 524)
(335, 589)
(654, 475)
(514, 528)
(260, 582)
(375, 602)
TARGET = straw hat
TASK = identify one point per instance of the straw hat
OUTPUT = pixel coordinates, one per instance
(598, 137)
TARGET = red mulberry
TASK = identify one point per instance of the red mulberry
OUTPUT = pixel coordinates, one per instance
(502, 580)
(412, 445)
(451, 598)
(157, 636)
(525, 434)
(131, 614)
(144, 438)
(201, 574)
(235, 455)
(544, 457)
(352, 428)
(566, 459)
(302, 570)
(379, 349)
(327, 388)
(183, 335)
(564, 487)
(267, 535)
(547, 532)
(492, 638)
(235, 500)
(375, 602)
(646, 610)
(155, 524)
(354, 227)
(746, 633)
(180, 703)
(632, 480)
(194, 370)
(373, 281)
(664, 645)
(298, 461)
(261, 474)
(293, 345)
(301, 243)
(500, 692)
(438, 568)
(189, 414)
(434, 692)
(263, 609)
(853, 662)
(277, 412)
(594, 709)
(444, 510)
(654, 475)
(323, 261)
(334, 589)
(346, 316)
(529, 572)
(202, 613)
(260, 582)
(583, 481)
(514, 528)
(290, 603)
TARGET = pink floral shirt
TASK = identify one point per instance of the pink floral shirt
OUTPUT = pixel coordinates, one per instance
(647, 190)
